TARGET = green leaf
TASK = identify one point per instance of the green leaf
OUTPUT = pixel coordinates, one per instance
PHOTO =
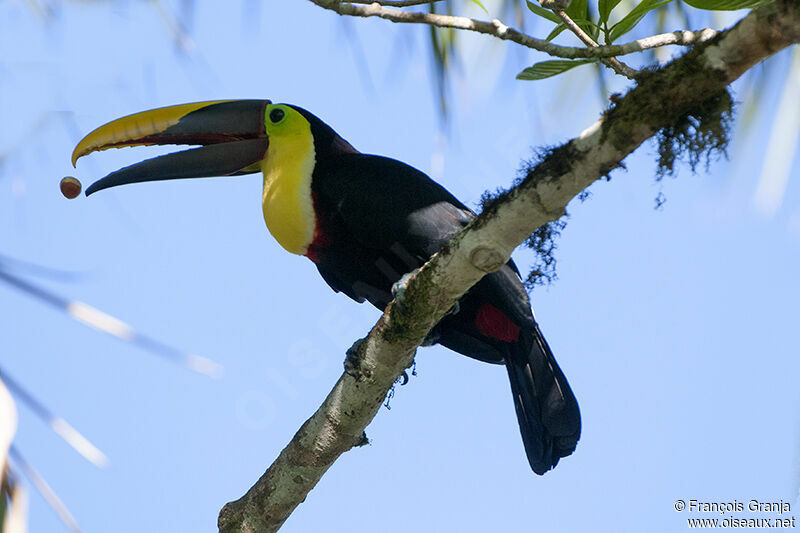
(547, 69)
(605, 7)
(725, 5)
(553, 34)
(536, 9)
(481, 6)
(578, 9)
(589, 27)
(632, 19)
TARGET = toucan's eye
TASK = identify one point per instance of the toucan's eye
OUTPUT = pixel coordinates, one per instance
(276, 115)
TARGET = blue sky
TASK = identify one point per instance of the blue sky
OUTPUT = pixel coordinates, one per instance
(676, 328)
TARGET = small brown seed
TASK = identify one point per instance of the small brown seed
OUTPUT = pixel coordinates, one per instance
(70, 187)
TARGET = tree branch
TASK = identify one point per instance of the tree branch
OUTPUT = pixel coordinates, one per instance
(616, 65)
(374, 363)
(497, 29)
(395, 3)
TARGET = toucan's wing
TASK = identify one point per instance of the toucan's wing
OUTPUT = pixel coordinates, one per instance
(385, 203)
(388, 218)
(396, 209)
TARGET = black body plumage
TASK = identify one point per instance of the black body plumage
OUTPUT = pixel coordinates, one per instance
(379, 218)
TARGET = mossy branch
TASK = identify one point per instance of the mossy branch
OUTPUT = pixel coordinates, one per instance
(661, 99)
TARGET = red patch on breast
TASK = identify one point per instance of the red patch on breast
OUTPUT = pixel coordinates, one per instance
(314, 249)
(321, 238)
(313, 254)
(317, 246)
(493, 323)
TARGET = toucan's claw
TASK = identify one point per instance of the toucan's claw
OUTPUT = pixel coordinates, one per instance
(399, 289)
(400, 286)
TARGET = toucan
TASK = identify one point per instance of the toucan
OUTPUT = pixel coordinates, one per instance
(365, 221)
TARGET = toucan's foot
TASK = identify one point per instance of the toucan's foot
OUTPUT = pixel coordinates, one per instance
(453, 310)
(399, 288)
(398, 291)
(404, 375)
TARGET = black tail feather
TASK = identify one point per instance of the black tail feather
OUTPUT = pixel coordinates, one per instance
(547, 411)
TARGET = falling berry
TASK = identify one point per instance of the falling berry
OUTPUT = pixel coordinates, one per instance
(70, 187)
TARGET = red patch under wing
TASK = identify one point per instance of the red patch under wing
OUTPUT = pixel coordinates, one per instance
(491, 322)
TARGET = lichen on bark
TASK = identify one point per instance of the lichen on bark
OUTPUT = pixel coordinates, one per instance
(702, 134)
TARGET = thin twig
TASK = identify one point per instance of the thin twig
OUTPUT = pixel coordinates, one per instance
(612, 63)
(96, 319)
(45, 490)
(497, 29)
(61, 427)
(395, 3)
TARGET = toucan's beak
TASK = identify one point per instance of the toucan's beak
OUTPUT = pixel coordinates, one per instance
(230, 133)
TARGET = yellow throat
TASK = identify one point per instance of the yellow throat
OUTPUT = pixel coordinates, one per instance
(287, 202)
